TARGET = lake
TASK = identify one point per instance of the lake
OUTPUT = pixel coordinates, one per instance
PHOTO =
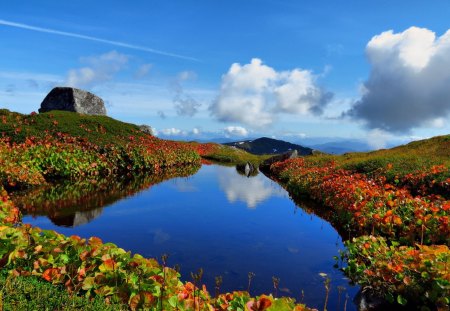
(216, 219)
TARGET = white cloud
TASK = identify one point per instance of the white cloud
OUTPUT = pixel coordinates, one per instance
(99, 69)
(171, 131)
(436, 123)
(378, 138)
(299, 94)
(252, 191)
(235, 131)
(408, 86)
(254, 94)
(195, 131)
(185, 104)
(142, 71)
(187, 75)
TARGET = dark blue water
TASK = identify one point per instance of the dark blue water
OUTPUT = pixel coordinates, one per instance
(228, 225)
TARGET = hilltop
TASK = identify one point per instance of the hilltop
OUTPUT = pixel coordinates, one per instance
(95, 129)
(414, 157)
(265, 145)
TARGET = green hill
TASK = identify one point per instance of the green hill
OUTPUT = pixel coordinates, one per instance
(96, 129)
(415, 157)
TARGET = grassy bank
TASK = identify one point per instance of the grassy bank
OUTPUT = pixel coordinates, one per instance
(227, 154)
(396, 202)
(40, 149)
(18, 293)
(91, 268)
(35, 149)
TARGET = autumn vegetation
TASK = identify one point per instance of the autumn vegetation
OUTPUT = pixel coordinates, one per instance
(39, 149)
(395, 204)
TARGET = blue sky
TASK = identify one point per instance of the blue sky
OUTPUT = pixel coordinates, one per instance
(301, 68)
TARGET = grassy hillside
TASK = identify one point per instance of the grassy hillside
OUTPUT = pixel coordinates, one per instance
(38, 148)
(96, 129)
(102, 131)
(416, 156)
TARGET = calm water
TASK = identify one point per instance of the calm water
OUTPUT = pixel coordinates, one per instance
(223, 222)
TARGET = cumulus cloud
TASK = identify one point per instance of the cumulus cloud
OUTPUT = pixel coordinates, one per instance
(185, 104)
(254, 93)
(235, 131)
(196, 131)
(408, 86)
(251, 191)
(171, 131)
(143, 71)
(98, 69)
(377, 139)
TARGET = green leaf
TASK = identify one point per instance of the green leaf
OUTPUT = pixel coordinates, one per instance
(173, 301)
(65, 258)
(88, 283)
(401, 300)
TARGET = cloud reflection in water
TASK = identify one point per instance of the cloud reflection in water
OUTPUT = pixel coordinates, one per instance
(250, 190)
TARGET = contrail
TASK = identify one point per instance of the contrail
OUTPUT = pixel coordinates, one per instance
(84, 37)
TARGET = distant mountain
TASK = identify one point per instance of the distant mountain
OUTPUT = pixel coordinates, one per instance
(340, 147)
(265, 145)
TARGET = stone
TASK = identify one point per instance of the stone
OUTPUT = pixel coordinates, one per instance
(146, 129)
(247, 169)
(265, 165)
(74, 100)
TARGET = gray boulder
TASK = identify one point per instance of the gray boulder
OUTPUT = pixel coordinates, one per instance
(265, 165)
(146, 129)
(72, 99)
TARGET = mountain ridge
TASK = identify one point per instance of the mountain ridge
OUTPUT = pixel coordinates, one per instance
(266, 145)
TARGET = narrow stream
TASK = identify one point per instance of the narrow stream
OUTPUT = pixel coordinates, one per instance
(216, 219)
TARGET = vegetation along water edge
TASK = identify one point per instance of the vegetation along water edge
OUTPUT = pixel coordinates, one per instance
(394, 203)
(39, 149)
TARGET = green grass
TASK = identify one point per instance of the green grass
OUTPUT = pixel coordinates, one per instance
(31, 293)
(96, 129)
(232, 155)
(417, 156)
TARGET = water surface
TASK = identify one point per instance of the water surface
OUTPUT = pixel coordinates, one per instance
(223, 222)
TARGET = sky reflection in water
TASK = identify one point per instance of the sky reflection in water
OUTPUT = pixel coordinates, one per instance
(228, 225)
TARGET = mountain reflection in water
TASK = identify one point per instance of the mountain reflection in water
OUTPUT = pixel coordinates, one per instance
(71, 204)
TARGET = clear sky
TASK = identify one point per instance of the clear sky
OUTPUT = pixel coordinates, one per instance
(376, 70)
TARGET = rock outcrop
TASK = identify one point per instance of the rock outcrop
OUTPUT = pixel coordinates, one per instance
(265, 165)
(146, 129)
(72, 99)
